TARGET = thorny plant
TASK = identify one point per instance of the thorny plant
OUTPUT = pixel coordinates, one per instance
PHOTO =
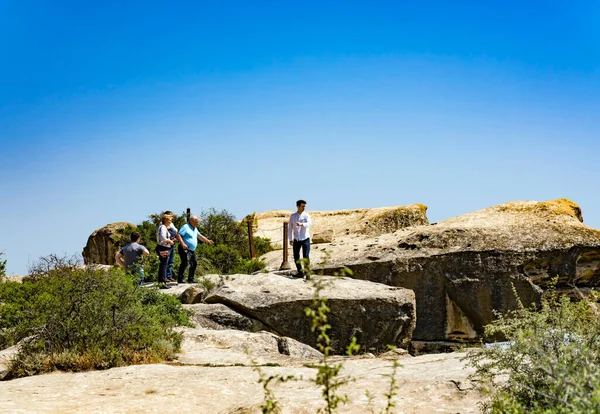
(327, 373)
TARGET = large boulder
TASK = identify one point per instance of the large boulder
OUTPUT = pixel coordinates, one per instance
(465, 268)
(101, 246)
(378, 315)
(218, 316)
(328, 225)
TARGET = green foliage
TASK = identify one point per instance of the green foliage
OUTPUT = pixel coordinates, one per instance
(229, 254)
(392, 390)
(67, 317)
(270, 404)
(327, 373)
(2, 265)
(550, 363)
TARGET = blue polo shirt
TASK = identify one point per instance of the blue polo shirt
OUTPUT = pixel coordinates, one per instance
(189, 235)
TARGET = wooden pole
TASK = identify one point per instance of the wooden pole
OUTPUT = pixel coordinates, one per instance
(285, 265)
(251, 239)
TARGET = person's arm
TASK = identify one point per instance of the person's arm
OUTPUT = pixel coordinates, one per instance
(182, 230)
(145, 253)
(204, 239)
(308, 221)
(181, 242)
(164, 238)
(291, 231)
(119, 259)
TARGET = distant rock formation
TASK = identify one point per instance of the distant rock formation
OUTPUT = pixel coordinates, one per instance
(100, 247)
(327, 225)
(464, 268)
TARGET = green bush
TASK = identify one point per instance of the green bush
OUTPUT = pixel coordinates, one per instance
(2, 265)
(73, 318)
(550, 362)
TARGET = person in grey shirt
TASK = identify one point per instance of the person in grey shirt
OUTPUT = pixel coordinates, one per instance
(131, 256)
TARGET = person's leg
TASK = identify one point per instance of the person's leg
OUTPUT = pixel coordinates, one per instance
(296, 250)
(162, 269)
(184, 263)
(140, 274)
(306, 253)
(170, 264)
(193, 264)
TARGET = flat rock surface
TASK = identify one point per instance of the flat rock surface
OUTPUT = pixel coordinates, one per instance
(426, 384)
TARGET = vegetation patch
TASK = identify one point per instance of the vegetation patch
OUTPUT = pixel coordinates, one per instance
(550, 362)
(73, 318)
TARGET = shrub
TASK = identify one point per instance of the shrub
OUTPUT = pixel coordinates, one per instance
(2, 265)
(550, 363)
(74, 318)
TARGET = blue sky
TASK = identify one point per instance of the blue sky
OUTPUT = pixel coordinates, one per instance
(113, 110)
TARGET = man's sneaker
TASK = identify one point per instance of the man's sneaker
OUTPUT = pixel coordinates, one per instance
(180, 282)
(192, 281)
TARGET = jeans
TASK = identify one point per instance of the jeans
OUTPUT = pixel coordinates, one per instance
(136, 270)
(305, 245)
(187, 257)
(170, 263)
(163, 264)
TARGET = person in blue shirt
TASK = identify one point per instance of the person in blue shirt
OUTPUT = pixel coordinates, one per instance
(187, 248)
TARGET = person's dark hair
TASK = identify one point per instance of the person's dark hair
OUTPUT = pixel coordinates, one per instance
(134, 236)
(169, 212)
(300, 202)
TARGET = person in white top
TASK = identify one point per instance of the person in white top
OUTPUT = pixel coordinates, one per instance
(299, 236)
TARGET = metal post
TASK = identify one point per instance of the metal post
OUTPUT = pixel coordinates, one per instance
(285, 265)
(188, 214)
(251, 239)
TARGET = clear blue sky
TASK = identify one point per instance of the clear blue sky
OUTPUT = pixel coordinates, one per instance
(113, 110)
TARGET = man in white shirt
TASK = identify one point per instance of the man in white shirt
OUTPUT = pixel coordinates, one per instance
(299, 235)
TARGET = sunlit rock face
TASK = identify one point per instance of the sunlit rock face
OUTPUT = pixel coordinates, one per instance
(100, 247)
(465, 268)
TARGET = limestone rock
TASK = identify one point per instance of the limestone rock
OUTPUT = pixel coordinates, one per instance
(325, 236)
(100, 247)
(326, 224)
(464, 268)
(228, 347)
(218, 316)
(376, 314)
(429, 383)
(6, 355)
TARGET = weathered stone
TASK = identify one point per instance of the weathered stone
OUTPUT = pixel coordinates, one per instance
(363, 221)
(6, 355)
(218, 316)
(325, 236)
(100, 247)
(465, 268)
(376, 314)
(429, 383)
(228, 347)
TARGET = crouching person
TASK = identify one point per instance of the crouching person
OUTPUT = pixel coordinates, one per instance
(131, 256)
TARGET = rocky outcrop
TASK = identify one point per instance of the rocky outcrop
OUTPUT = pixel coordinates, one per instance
(465, 268)
(376, 314)
(100, 247)
(328, 225)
